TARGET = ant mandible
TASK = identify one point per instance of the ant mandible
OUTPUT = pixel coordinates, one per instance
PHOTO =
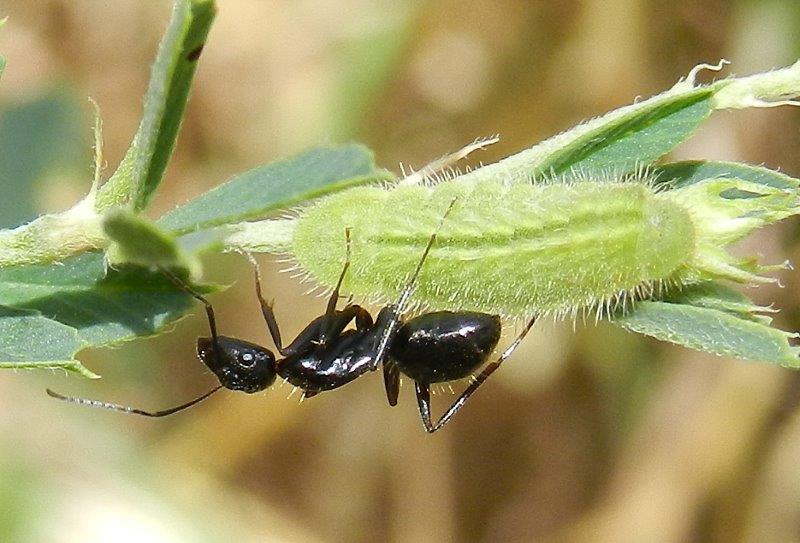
(434, 347)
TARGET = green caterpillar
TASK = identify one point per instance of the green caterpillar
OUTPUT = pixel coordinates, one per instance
(533, 248)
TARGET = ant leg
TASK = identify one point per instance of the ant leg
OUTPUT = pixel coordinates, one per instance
(399, 308)
(364, 321)
(266, 309)
(326, 328)
(391, 380)
(308, 337)
(334, 324)
(423, 389)
(212, 323)
(131, 410)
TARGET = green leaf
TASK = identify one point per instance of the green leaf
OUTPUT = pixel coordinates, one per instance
(79, 300)
(29, 340)
(104, 308)
(619, 141)
(277, 186)
(640, 133)
(681, 174)
(715, 295)
(138, 241)
(629, 140)
(713, 318)
(143, 167)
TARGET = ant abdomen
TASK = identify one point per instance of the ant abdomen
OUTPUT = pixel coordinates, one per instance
(445, 345)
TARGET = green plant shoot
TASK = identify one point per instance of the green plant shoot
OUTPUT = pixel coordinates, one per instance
(546, 231)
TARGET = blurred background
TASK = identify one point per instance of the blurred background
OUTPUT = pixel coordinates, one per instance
(587, 435)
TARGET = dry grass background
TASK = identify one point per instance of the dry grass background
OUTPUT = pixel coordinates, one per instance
(588, 436)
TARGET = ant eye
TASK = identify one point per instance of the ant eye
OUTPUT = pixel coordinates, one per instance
(247, 360)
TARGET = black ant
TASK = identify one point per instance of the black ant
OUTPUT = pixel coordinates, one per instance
(431, 348)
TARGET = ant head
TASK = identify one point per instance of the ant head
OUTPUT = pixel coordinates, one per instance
(239, 365)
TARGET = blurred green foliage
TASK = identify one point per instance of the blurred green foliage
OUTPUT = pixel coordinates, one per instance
(40, 138)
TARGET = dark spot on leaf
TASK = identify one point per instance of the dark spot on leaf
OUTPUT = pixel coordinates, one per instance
(739, 194)
(194, 54)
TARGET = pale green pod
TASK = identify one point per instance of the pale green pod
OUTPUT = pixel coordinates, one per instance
(515, 249)
(536, 248)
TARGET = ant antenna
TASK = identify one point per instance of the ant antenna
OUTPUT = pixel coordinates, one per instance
(131, 410)
(400, 307)
(409, 288)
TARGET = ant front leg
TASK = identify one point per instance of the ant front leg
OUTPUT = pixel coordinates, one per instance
(212, 323)
(331, 324)
(266, 309)
(424, 392)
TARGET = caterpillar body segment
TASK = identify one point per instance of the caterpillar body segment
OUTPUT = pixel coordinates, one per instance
(514, 249)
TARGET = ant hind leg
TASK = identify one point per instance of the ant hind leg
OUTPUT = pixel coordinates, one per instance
(423, 389)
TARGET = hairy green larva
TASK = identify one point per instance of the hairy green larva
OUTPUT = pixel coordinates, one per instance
(531, 248)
